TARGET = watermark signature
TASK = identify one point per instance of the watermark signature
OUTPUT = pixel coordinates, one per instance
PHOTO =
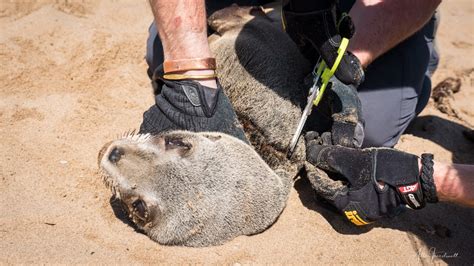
(433, 253)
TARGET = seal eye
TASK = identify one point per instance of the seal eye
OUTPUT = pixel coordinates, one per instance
(175, 143)
(115, 155)
(139, 209)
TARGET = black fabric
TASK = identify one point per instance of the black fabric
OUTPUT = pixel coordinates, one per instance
(346, 27)
(396, 168)
(346, 5)
(362, 169)
(189, 105)
(306, 6)
(315, 33)
(427, 183)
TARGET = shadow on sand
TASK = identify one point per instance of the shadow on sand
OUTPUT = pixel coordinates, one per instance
(450, 135)
(444, 228)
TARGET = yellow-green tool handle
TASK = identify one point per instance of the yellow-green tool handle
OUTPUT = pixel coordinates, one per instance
(328, 73)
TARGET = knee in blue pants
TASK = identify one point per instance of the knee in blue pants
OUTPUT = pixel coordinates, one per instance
(397, 88)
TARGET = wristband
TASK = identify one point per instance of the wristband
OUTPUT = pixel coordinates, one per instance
(186, 76)
(171, 66)
(427, 183)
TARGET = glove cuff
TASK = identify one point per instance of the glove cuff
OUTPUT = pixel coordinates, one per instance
(401, 171)
(427, 183)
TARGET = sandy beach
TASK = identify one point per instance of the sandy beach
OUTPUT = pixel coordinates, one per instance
(73, 76)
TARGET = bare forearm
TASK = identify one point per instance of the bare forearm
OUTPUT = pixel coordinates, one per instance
(382, 24)
(182, 28)
(455, 183)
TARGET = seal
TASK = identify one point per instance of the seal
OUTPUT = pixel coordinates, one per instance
(193, 189)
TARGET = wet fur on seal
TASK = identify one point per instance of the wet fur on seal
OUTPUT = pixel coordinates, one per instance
(193, 189)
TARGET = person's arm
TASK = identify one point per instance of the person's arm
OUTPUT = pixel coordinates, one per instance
(454, 183)
(182, 29)
(382, 24)
(187, 96)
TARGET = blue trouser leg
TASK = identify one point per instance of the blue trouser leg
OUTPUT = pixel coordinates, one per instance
(430, 33)
(154, 50)
(397, 88)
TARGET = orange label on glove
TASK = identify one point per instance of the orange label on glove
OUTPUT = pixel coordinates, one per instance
(355, 218)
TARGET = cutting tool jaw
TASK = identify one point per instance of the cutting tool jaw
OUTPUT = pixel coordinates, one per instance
(313, 94)
(321, 75)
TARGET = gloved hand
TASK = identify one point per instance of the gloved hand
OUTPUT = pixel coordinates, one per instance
(344, 105)
(318, 33)
(188, 105)
(376, 181)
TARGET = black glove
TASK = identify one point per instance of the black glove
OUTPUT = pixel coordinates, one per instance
(188, 105)
(347, 127)
(318, 33)
(361, 199)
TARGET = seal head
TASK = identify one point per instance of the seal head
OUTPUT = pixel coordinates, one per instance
(193, 189)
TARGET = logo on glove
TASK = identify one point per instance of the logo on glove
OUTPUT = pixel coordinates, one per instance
(355, 218)
(410, 188)
(412, 196)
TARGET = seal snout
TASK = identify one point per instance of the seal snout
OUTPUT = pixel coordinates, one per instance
(102, 152)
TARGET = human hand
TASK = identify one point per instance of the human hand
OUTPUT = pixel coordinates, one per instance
(376, 181)
(319, 33)
(189, 105)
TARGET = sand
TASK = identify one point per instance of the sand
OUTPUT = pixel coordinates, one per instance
(73, 76)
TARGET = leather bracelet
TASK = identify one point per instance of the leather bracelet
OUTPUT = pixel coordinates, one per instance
(427, 183)
(185, 76)
(171, 66)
